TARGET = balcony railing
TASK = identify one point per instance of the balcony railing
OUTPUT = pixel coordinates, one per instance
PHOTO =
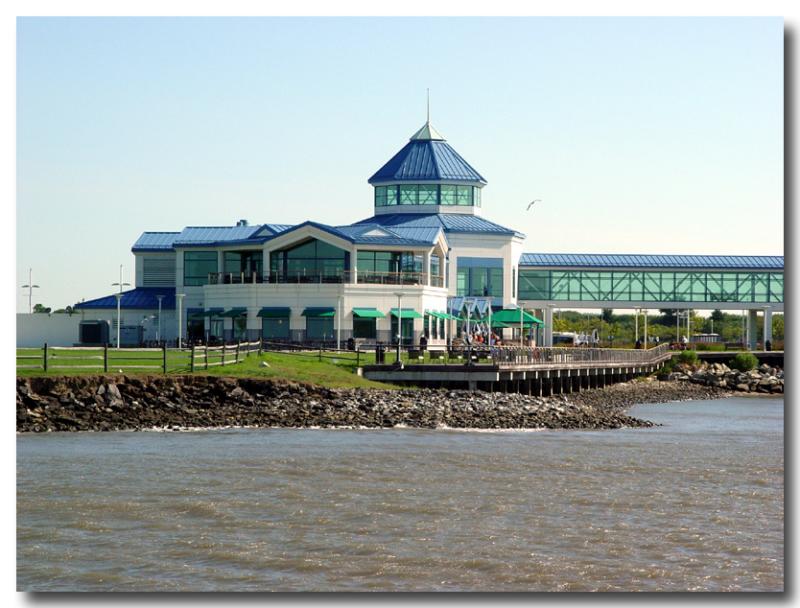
(361, 276)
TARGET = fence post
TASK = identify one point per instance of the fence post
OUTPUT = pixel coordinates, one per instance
(320, 351)
(191, 362)
(105, 358)
(206, 355)
(260, 346)
(238, 346)
(44, 364)
(223, 354)
(164, 357)
(358, 357)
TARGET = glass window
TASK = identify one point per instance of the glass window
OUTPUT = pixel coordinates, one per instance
(246, 262)
(276, 328)
(428, 195)
(436, 265)
(477, 195)
(366, 261)
(197, 265)
(313, 258)
(462, 282)
(380, 196)
(364, 328)
(534, 284)
(407, 329)
(447, 195)
(319, 328)
(391, 195)
(408, 194)
(464, 195)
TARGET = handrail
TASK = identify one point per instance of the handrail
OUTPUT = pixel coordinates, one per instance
(524, 355)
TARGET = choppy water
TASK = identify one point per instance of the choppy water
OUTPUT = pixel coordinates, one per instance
(694, 505)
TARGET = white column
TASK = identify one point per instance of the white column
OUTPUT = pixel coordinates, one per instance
(426, 266)
(179, 307)
(354, 265)
(752, 334)
(645, 328)
(767, 326)
(220, 263)
(636, 324)
(548, 326)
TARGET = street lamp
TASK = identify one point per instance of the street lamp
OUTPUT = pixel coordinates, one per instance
(159, 297)
(30, 287)
(399, 322)
(179, 304)
(119, 299)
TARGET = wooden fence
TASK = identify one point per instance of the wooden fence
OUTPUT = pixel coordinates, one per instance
(105, 359)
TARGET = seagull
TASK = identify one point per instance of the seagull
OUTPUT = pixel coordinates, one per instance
(532, 203)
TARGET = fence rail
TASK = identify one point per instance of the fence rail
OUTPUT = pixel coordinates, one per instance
(104, 359)
(512, 356)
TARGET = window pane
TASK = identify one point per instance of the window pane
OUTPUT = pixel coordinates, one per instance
(428, 195)
(366, 260)
(408, 195)
(275, 328)
(364, 328)
(448, 195)
(477, 194)
(534, 284)
(319, 328)
(380, 196)
(391, 195)
(464, 195)
(197, 265)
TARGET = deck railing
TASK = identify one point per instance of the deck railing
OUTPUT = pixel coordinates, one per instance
(368, 277)
(507, 356)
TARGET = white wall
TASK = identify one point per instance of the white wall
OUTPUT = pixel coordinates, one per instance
(33, 330)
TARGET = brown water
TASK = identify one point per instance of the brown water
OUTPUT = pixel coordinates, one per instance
(694, 505)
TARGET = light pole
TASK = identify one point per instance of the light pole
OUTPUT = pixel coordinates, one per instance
(158, 330)
(179, 304)
(30, 287)
(399, 322)
(119, 300)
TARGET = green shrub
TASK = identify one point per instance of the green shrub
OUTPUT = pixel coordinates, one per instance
(709, 346)
(744, 362)
(687, 357)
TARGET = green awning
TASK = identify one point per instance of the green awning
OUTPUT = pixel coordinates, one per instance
(442, 315)
(275, 312)
(407, 313)
(499, 324)
(319, 311)
(368, 313)
(212, 312)
(235, 312)
(511, 316)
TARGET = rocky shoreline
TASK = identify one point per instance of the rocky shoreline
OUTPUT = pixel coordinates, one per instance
(136, 403)
(765, 379)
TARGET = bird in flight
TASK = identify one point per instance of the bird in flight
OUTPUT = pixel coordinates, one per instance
(532, 203)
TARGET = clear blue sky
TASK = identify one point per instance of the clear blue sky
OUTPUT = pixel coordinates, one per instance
(659, 135)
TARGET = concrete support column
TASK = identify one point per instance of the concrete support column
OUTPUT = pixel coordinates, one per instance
(752, 334)
(354, 265)
(767, 326)
(645, 328)
(548, 326)
(426, 266)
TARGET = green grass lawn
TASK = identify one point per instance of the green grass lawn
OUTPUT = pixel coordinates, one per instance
(331, 370)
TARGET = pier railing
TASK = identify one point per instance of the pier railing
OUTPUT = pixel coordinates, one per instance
(508, 356)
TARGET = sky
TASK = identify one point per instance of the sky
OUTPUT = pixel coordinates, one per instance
(637, 135)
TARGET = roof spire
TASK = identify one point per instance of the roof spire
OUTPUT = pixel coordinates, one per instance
(428, 121)
(427, 132)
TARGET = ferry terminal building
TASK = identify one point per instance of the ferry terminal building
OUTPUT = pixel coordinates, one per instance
(426, 262)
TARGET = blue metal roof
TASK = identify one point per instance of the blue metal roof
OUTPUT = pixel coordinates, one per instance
(212, 235)
(427, 160)
(139, 298)
(155, 241)
(415, 225)
(704, 262)
(376, 234)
